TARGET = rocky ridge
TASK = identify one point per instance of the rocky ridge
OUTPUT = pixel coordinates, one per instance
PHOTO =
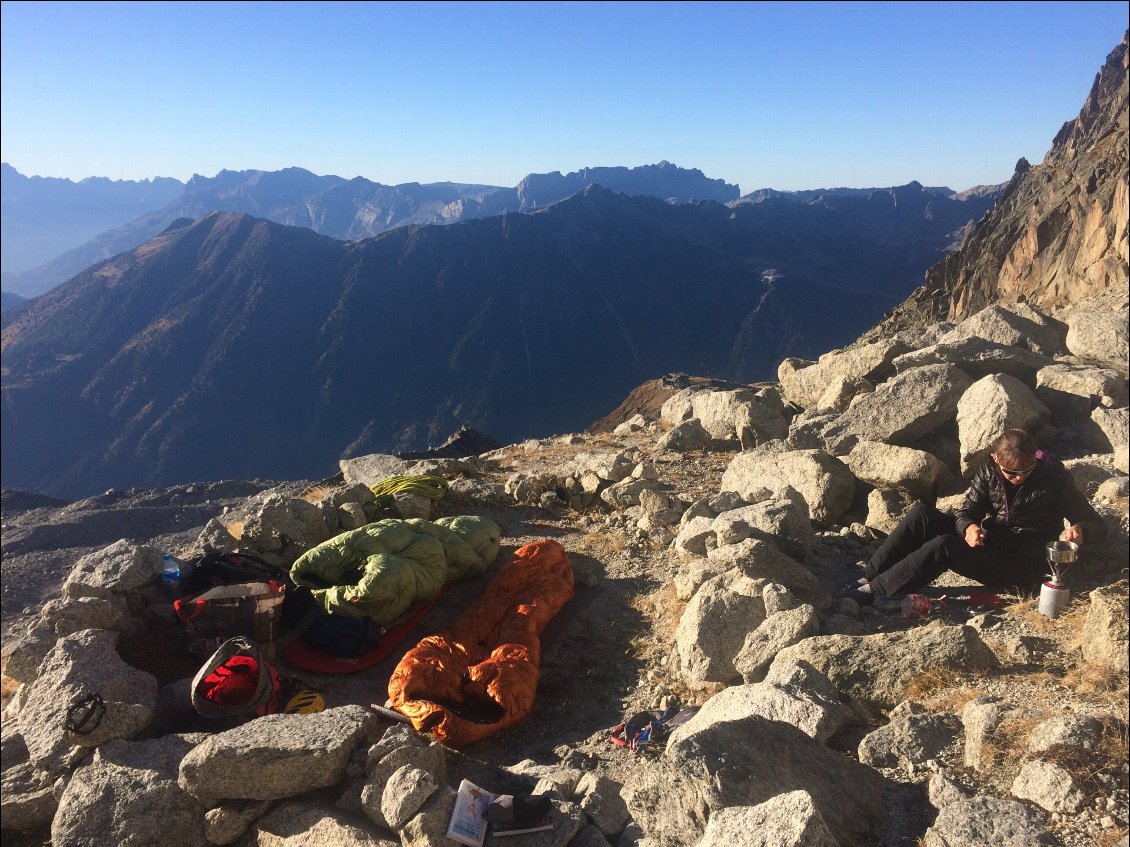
(1058, 232)
(709, 538)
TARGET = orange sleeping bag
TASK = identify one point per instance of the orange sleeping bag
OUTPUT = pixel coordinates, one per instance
(479, 675)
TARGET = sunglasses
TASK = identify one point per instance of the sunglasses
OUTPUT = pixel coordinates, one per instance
(1011, 472)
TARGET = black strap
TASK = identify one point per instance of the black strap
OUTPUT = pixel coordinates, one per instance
(85, 714)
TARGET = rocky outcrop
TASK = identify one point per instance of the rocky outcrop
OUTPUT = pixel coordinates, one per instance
(1057, 234)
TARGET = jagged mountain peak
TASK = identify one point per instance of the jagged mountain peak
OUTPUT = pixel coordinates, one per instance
(1058, 231)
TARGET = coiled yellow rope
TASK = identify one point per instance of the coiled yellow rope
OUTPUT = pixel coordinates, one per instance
(429, 486)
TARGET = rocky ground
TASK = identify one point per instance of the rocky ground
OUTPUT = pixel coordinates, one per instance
(611, 652)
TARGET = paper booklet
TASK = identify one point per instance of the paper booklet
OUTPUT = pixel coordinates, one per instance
(468, 823)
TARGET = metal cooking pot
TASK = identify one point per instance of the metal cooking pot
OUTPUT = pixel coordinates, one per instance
(1062, 552)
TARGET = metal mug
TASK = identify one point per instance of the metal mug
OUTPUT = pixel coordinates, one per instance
(1061, 552)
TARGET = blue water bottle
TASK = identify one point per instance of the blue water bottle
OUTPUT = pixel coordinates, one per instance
(170, 576)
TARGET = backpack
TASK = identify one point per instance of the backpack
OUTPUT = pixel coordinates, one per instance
(217, 568)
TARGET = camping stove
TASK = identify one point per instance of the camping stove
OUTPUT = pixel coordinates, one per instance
(1054, 593)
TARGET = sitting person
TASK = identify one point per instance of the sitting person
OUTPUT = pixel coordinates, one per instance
(1016, 503)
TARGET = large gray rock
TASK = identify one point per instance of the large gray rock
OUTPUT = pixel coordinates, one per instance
(129, 795)
(760, 560)
(989, 407)
(782, 521)
(875, 670)
(805, 386)
(418, 757)
(943, 789)
(82, 664)
(806, 430)
(403, 795)
(27, 797)
(718, 410)
(981, 820)
(978, 358)
(824, 482)
(1049, 786)
(746, 762)
(1005, 325)
(909, 740)
(1114, 425)
(714, 626)
(886, 507)
(685, 437)
(122, 566)
(1099, 338)
(599, 798)
(887, 466)
(817, 714)
(761, 419)
(285, 525)
(66, 616)
(775, 633)
(29, 652)
(226, 823)
(696, 536)
(607, 465)
(1072, 391)
(789, 819)
(678, 407)
(1105, 638)
(428, 828)
(901, 410)
(626, 493)
(841, 391)
(308, 824)
(276, 756)
(371, 469)
(980, 719)
(1083, 731)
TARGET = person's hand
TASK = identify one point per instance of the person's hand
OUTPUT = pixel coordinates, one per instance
(974, 536)
(1073, 533)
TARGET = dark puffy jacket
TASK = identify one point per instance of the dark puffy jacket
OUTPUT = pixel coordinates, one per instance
(1032, 511)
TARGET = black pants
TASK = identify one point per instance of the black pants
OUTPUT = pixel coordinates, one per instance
(926, 544)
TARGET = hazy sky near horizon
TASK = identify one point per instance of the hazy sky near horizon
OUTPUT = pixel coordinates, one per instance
(781, 95)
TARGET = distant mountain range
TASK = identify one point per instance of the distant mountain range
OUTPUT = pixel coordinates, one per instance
(41, 217)
(330, 205)
(231, 346)
(234, 347)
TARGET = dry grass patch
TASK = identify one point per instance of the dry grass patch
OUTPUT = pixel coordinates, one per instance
(1009, 740)
(1069, 624)
(662, 608)
(1091, 678)
(314, 494)
(601, 544)
(943, 689)
(1106, 758)
(1109, 839)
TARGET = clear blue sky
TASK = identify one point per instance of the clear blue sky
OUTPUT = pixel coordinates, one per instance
(782, 95)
